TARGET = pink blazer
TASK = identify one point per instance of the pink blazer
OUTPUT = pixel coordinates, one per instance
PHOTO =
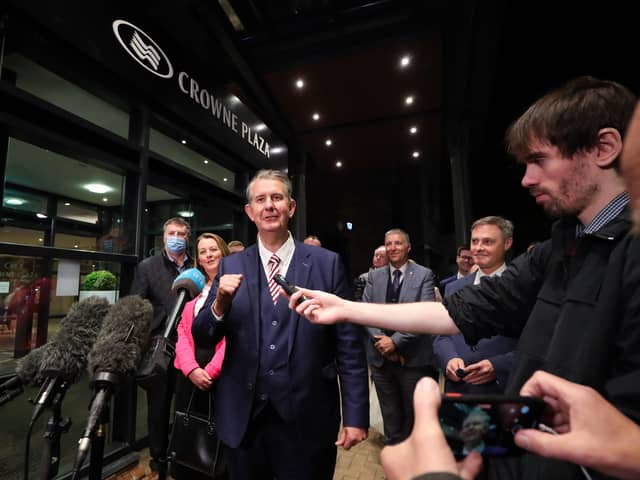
(185, 349)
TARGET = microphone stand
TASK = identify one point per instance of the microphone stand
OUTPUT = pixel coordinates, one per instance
(56, 426)
(105, 384)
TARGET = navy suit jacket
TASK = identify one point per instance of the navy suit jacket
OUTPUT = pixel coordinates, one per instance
(317, 354)
(498, 350)
(444, 283)
(417, 286)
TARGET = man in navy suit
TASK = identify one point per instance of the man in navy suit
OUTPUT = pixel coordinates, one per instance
(397, 359)
(464, 260)
(486, 366)
(277, 403)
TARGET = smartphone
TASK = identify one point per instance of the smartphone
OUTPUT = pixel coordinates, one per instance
(287, 287)
(487, 423)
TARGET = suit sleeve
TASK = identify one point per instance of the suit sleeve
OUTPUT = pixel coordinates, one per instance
(502, 365)
(206, 329)
(351, 361)
(444, 350)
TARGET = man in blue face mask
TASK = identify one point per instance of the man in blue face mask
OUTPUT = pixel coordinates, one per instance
(153, 280)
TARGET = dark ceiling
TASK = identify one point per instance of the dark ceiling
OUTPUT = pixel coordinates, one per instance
(475, 66)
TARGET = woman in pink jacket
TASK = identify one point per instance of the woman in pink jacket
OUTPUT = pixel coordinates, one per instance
(200, 364)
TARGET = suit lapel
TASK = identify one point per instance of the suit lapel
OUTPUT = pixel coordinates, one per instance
(408, 283)
(251, 265)
(298, 275)
(380, 286)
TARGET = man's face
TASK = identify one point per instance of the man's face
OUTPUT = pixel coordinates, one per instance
(562, 186)
(175, 230)
(473, 428)
(488, 248)
(397, 249)
(464, 261)
(380, 257)
(270, 209)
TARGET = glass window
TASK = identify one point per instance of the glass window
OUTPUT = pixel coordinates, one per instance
(182, 155)
(50, 87)
(86, 201)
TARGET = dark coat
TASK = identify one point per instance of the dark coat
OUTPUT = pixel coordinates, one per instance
(153, 280)
(576, 306)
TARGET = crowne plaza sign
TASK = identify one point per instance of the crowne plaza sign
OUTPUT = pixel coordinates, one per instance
(150, 56)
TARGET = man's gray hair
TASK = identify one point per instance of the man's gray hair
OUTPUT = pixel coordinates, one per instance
(269, 175)
(505, 226)
(399, 231)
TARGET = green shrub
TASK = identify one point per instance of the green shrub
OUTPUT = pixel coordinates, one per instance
(100, 280)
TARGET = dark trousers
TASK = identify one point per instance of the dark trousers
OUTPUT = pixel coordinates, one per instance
(395, 385)
(274, 449)
(158, 411)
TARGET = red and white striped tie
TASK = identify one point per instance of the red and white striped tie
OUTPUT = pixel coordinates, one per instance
(274, 268)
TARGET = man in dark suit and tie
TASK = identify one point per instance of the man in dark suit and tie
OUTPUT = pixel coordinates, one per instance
(486, 366)
(277, 401)
(398, 360)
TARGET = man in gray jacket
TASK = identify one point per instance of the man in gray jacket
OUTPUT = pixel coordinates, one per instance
(398, 360)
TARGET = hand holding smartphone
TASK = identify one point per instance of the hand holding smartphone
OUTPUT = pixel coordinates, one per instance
(487, 423)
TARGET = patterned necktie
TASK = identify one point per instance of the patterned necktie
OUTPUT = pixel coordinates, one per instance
(274, 268)
(395, 284)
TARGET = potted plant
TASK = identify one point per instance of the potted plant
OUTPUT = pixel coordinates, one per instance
(101, 283)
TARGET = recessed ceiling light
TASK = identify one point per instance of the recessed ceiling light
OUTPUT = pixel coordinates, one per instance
(15, 201)
(41, 215)
(97, 188)
(205, 161)
(184, 142)
(66, 204)
(405, 61)
(234, 99)
(338, 164)
(75, 246)
(277, 150)
(415, 154)
(260, 127)
(413, 130)
(225, 179)
(299, 83)
(41, 240)
(328, 142)
(408, 100)
(316, 116)
(186, 213)
(105, 199)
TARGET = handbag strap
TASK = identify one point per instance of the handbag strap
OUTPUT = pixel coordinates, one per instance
(193, 393)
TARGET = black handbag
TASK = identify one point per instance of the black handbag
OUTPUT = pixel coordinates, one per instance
(194, 440)
(156, 362)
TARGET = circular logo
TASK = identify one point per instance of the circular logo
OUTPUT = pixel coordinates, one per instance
(142, 48)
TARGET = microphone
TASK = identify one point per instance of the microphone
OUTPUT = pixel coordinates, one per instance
(117, 352)
(27, 374)
(67, 351)
(187, 286)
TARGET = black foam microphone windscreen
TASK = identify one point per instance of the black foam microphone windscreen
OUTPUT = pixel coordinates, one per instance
(117, 352)
(27, 373)
(67, 351)
(123, 337)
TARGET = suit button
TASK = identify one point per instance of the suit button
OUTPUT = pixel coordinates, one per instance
(249, 386)
(271, 372)
(272, 347)
(274, 323)
(263, 396)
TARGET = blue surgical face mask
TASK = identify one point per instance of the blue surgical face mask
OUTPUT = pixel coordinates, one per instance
(176, 244)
